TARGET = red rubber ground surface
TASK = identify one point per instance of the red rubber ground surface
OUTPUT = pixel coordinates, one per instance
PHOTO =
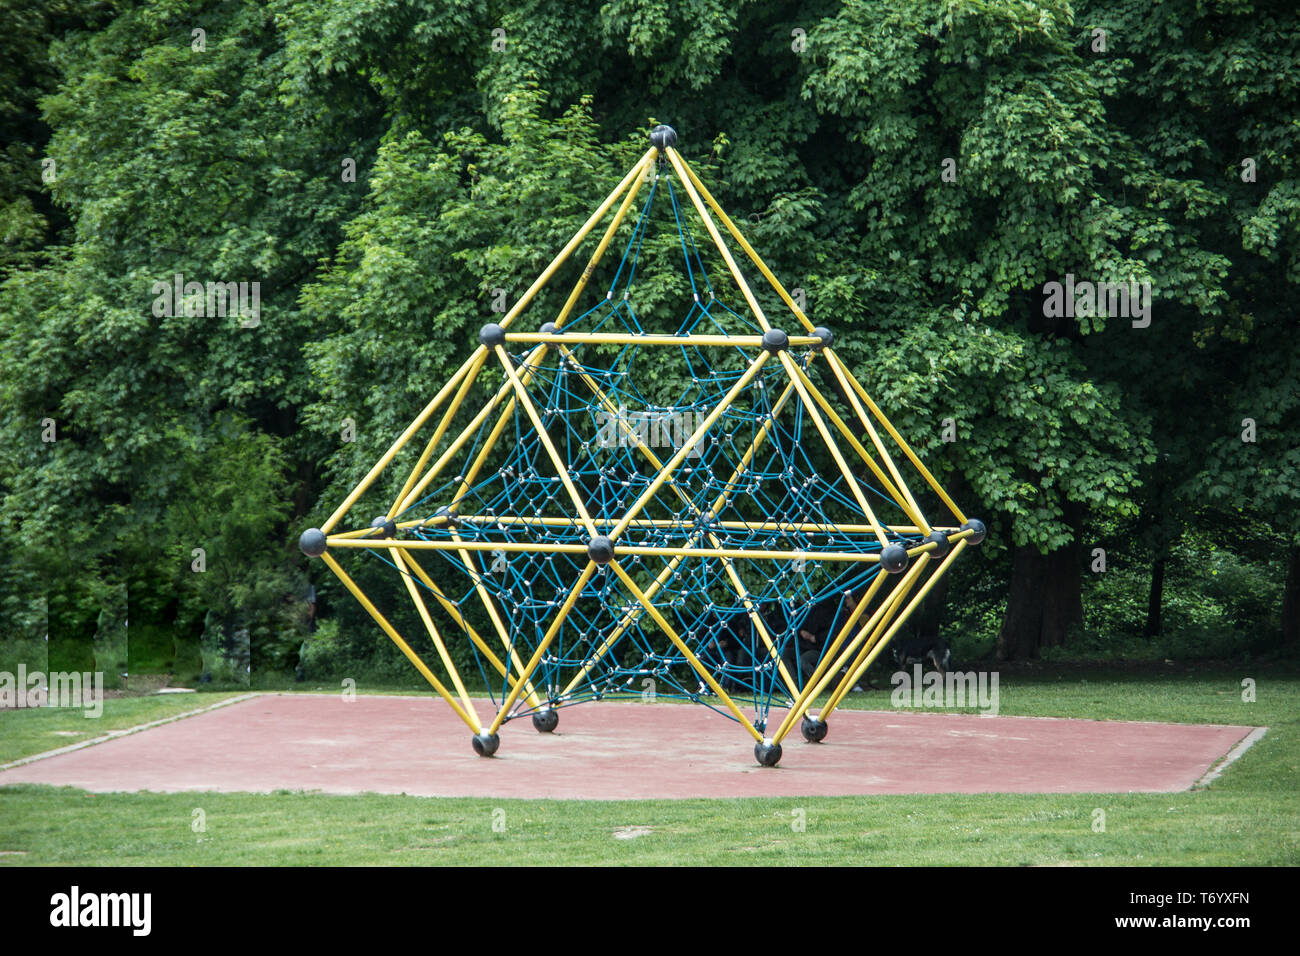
(608, 751)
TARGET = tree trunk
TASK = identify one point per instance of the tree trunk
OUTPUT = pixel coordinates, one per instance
(1044, 603)
(1156, 598)
(1291, 600)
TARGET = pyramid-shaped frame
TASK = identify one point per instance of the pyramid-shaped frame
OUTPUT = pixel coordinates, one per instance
(691, 544)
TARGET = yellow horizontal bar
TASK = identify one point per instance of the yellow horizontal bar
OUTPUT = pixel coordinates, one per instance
(627, 338)
(620, 549)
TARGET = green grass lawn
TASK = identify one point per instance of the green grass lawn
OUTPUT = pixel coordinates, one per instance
(1250, 815)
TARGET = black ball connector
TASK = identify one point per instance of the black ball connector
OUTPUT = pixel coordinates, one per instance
(550, 328)
(662, 137)
(894, 558)
(385, 526)
(974, 524)
(826, 335)
(767, 752)
(774, 340)
(312, 542)
(941, 539)
(813, 729)
(453, 519)
(545, 721)
(485, 745)
(492, 335)
(600, 549)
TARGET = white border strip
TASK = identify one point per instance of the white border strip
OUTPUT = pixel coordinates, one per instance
(1230, 757)
(114, 734)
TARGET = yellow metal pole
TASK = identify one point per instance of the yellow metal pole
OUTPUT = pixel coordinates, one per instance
(539, 354)
(849, 557)
(433, 631)
(402, 439)
(503, 632)
(551, 631)
(814, 680)
(454, 612)
(917, 514)
(561, 469)
(900, 499)
(685, 651)
(405, 648)
(851, 481)
(590, 224)
(907, 450)
(650, 339)
(749, 250)
(596, 256)
(717, 238)
(902, 619)
(700, 430)
(896, 600)
(480, 355)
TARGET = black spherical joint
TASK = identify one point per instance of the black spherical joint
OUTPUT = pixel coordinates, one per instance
(492, 335)
(767, 752)
(386, 527)
(550, 328)
(826, 335)
(485, 745)
(452, 519)
(600, 549)
(312, 542)
(546, 720)
(661, 137)
(941, 540)
(976, 526)
(894, 558)
(774, 340)
(813, 729)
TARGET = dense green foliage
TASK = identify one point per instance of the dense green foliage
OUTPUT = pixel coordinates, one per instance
(920, 170)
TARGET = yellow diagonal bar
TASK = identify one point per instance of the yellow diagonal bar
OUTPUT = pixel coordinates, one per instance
(899, 622)
(904, 502)
(645, 165)
(453, 611)
(402, 439)
(502, 631)
(480, 355)
(561, 469)
(893, 433)
(749, 250)
(685, 651)
(896, 599)
(689, 186)
(545, 644)
(590, 224)
(849, 479)
(814, 681)
(700, 430)
(916, 514)
(471, 722)
(423, 611)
